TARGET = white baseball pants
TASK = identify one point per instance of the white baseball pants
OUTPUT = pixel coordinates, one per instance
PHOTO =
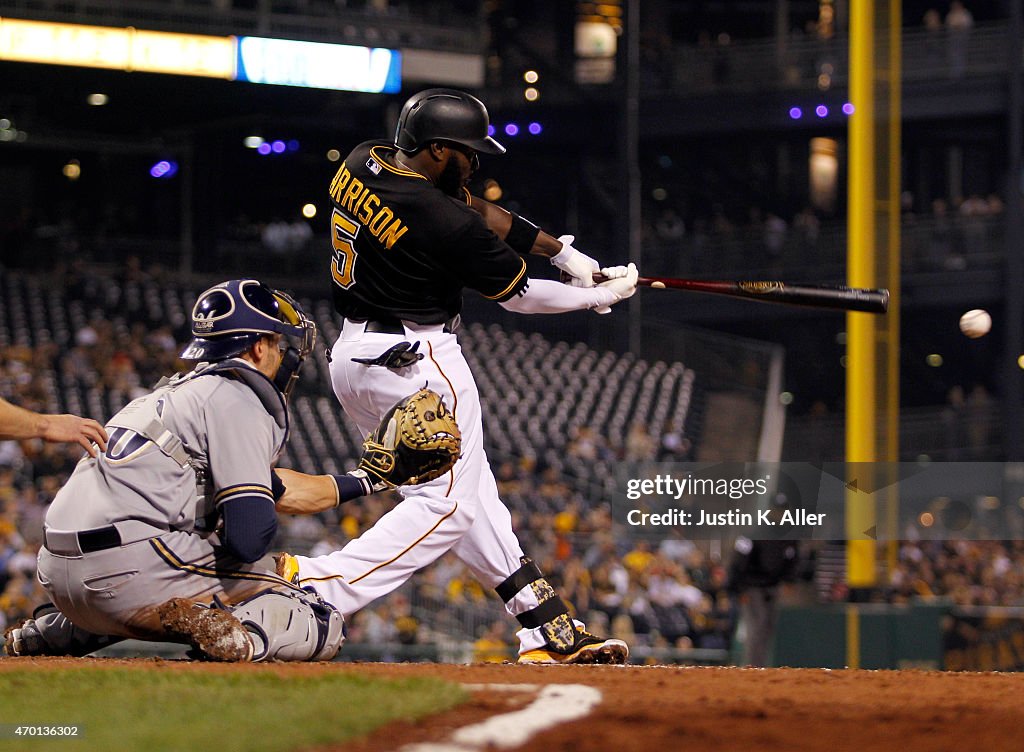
(460, 511)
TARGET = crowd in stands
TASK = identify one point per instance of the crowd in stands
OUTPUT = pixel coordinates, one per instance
(684, 230)
(968, 573)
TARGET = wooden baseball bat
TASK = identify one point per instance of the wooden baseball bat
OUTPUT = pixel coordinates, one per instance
(816, 296)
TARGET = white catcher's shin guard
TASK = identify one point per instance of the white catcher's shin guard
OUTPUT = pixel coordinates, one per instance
(291, 626)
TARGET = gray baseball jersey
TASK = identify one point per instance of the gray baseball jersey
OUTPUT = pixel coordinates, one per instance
(222, 424)
(225, 423)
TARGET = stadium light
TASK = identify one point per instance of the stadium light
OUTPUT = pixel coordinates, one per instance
(164, 169)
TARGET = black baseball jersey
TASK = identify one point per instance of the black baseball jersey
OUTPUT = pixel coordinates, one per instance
(403, 248)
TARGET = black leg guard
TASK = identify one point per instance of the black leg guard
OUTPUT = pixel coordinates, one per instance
(551, 614)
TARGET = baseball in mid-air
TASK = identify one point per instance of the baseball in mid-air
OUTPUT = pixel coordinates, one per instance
(975, 323)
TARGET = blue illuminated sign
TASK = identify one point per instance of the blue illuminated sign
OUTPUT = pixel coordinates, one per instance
(321, 66)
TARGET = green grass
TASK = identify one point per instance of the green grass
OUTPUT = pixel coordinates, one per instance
(247, 711)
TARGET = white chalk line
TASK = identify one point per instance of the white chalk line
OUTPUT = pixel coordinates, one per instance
(555, 704)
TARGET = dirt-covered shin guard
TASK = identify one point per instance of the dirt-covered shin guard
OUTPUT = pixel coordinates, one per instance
(291, 626)
(551, 614)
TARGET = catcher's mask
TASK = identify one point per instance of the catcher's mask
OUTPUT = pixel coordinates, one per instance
(229, 318)
(445, 115)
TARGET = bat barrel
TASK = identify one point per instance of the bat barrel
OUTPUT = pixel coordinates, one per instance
(843, 298)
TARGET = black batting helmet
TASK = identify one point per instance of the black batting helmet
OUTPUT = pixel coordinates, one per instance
(445, 115)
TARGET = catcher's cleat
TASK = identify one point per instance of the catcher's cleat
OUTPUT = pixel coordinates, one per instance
(213, 633)
(586, 649)
(287, 567)
(25, 639)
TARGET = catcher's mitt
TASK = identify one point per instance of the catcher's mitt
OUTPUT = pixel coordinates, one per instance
(417, 440)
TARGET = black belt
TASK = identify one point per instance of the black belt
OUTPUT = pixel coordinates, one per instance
(394, 326)
(385, 326)
(97, 539)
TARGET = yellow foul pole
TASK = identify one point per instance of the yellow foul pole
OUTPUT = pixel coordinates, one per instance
(872, 374)
(861, 384)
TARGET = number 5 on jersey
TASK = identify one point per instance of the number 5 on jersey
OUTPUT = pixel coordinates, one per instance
(343, 238)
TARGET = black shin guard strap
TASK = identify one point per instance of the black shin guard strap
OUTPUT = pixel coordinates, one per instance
(540, 615)
(519, 579)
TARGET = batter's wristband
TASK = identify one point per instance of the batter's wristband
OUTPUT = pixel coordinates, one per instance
(522, 235)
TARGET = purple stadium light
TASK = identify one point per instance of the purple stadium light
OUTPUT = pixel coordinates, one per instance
(263, 148)
(534, 128)
(278, 146)
(511, 129)
(848, 109)
(796, 113)
(490, 130)
(293, 145)
(821, 110)
(163, 169)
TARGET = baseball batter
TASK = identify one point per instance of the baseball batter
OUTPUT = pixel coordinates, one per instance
(165, 535)
(407, 239)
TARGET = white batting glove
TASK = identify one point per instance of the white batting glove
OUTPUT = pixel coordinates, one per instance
(621, 281)
(579, 266)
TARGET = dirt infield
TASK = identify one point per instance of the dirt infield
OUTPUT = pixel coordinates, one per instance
(663, 709)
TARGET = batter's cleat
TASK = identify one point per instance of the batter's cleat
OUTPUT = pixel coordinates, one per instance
(287, 567)
(586, 649)
(213, 633)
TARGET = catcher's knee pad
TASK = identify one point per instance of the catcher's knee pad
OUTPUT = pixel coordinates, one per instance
(291, 626)
(550, 614)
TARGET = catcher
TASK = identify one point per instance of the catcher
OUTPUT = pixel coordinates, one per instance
(164, 536)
